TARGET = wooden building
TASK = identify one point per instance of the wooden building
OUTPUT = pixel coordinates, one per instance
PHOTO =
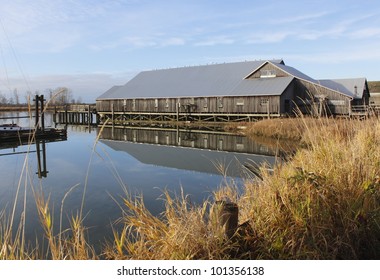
(226, 92)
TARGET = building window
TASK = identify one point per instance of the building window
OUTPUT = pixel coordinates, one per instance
(240, 102)
(167, 103)
(267, 73)
(155, 103)
(264, 101)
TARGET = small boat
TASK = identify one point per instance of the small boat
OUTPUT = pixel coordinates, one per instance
(13, 132)
(9, 128)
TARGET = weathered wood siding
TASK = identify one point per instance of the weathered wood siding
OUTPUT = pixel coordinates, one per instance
(309, 96)
(227, 104)
(268, 67)
(287, 105)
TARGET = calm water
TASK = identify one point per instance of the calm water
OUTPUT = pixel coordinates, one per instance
(145, 162)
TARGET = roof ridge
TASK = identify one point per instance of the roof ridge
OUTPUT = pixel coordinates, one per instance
(217, 64)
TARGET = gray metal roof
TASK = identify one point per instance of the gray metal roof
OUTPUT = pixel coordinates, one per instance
(207, 80)
(112, 90)
(227, 79)
(264, 86)
(347, 86)
(341, 86)
(294, 72)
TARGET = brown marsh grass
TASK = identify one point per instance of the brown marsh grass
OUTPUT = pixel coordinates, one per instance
(322, 204)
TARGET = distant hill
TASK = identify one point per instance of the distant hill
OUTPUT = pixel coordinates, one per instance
(374, 86)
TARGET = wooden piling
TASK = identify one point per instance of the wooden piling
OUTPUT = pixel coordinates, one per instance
(37, 111)
(66, 114)
(41, 99)
(226, 216)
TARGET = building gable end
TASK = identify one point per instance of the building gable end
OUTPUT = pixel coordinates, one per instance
(267, 70)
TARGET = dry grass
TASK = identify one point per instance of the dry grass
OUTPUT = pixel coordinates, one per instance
(325, 202)
(301, 129)
(183, 232)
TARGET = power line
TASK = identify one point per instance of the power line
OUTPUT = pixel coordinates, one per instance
(15, 57)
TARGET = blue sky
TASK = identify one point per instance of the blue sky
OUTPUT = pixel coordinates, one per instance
(89, 46)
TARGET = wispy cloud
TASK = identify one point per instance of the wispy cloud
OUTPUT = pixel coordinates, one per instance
(173, 41)
(215, 40)
(268, 37)
(49, 26)
(299, 18)
(336, 56)
(365, 33)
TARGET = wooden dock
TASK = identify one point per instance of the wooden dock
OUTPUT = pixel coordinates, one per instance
(116, 118)
(14, 134)
(31, 135)
(82, 114)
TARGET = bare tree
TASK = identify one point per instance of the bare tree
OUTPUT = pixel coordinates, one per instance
(16, 97)
(3, 99)
(64, 96)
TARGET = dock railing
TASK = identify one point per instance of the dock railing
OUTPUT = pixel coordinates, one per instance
(360, 110)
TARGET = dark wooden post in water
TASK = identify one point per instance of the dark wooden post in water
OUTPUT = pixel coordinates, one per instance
(225, 214)
(42, 112)
(66, 115)
(89, 120)
(36, 100)
(40, 124)
(113, 116)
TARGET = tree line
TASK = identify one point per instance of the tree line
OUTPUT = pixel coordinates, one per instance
(58, 96)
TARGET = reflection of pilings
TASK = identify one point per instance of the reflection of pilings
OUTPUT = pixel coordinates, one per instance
(187, 138)
(41, 146)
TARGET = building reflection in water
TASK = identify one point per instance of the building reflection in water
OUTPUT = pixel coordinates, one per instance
(205, 151)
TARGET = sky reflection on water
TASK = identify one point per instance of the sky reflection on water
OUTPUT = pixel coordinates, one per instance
(106, 168)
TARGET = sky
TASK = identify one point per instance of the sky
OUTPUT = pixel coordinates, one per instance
(89, 45)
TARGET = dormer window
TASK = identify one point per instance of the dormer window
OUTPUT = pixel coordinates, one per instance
(267, 73)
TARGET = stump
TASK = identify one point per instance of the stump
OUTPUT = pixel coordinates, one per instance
(226, 216)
